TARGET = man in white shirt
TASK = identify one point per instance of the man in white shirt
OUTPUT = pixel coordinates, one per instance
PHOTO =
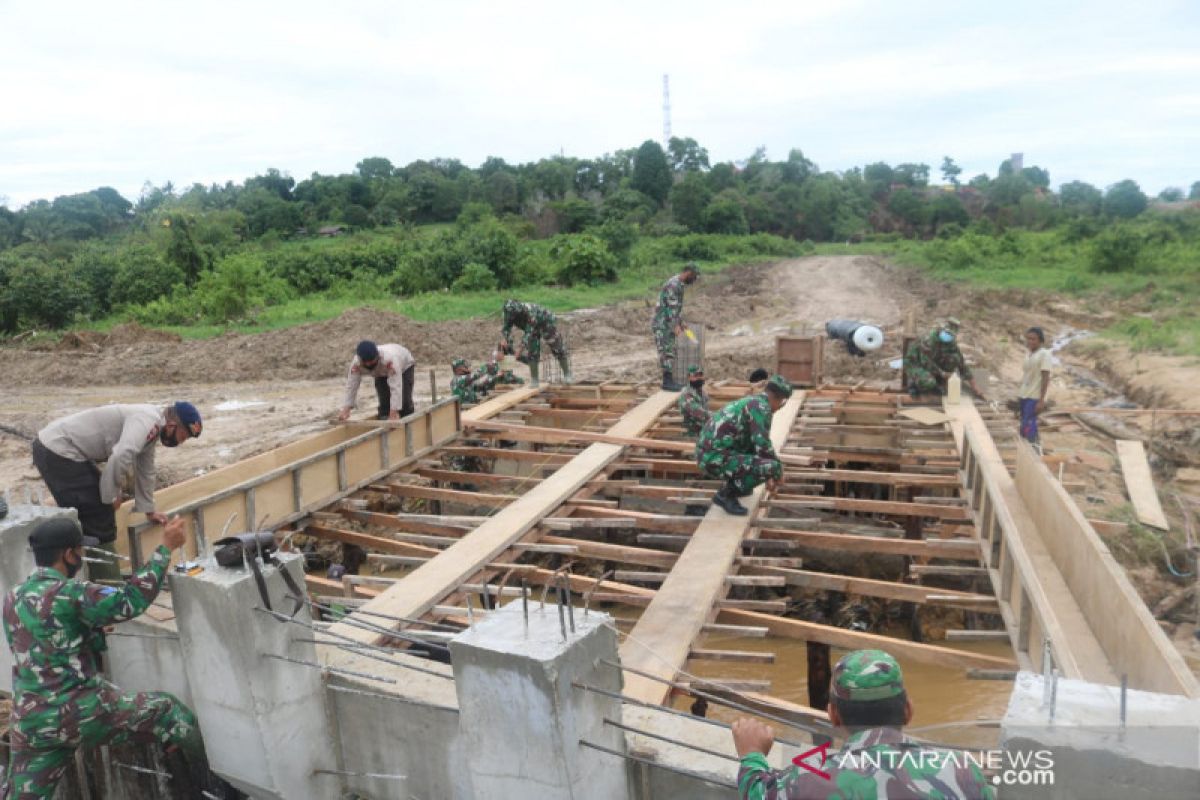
(1035, 381)
(124, 437)
(393, 369)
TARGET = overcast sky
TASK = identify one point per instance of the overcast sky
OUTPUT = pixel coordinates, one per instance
(118, 93)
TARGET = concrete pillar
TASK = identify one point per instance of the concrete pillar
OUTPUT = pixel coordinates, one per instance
(264, 721)
(520, 719)
(1084, 751)
(16, 563)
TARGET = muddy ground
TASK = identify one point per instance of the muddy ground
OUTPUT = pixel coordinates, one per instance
(258, 391)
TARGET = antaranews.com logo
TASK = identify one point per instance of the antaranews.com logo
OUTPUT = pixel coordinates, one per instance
(1006, 767)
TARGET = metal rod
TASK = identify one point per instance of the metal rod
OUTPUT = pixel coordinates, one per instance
(545, 589)
(525, 601)
(170, 636)
(1047, 665)
(143, 770)
(392, 617)
(285, 618)
(562, 619)
(587, 596)
(669, 740)
(668, 767)
(367, 626)
(570, 605)
(357, 649)
(1053, 694)
(395, 697)
(470, 612)
(1124, 698)
(108, 553)
(325, 668)
(813, 728)
(350, 774)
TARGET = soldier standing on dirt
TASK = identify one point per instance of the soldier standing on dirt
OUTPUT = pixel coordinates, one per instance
(868, 699)
(393, 369)
(67, 450)
(929, 362)
(736, 445)
(667, 324)
(693, 403)
(538, 323)
(55, 627)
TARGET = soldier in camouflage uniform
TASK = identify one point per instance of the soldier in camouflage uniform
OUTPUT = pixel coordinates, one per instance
(867, 698)
(55, 627)
(693, 403)
(930, 361)
(735, 444)
(538, 323)
(466, 385)
(667, 324)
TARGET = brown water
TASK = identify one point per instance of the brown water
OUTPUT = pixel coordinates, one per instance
(938, 694)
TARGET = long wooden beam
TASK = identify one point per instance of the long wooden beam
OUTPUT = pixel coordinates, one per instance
(530, 433)
(965, 549)
(889, 590)
(663, 636)
(499, 403)
(441, 575)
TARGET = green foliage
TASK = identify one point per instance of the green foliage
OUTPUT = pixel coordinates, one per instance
(475, 277)
(142, 275)
(1124, 200)
(689, 199)
(1078, 197)
(574, 215)
(583, 258)
(35, 293)
(1172, 194)
(619, 237)
(950, 171)
(725, 215)
(1194, 192)
(651, 172)
(686, 155)
(1117, 249)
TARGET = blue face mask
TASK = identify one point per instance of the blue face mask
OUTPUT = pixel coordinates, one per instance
(945, 336)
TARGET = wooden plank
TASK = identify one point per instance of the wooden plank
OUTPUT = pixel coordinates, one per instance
(967, 549)
(870, 587)
(474, 499)
(502, 402)
(429, 583)
(925, 416)
(643, 556)
(531, 433)
(858, 640)
(910, 479)
(685, 602)
(740, 656)
(976, 636)
(872, 506)
(1140, 484)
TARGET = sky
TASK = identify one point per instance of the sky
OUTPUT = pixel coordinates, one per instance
(120, 93)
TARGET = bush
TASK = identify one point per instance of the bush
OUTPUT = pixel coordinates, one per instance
(574, 216)
(143, 276)
(490, 244)
(619, 237)
(475, 277)
(1117, 249)
(583, 259)
(695, 247)
(725, 215)
(37, 293)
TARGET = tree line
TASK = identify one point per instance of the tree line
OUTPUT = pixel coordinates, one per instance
(174, 255)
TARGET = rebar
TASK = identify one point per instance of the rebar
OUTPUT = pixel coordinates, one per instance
(1053, 693)
(1124, 698)
(392, 617)
(371, 650)
(367, 626)
(348, 773)
(325, 668)
(143, 770)
(525, 602)
(170, 636)
(587, 596)
(394, 697)
(669, 740)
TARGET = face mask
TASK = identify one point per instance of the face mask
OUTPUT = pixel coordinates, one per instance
(697, 384)
(72, 569)
(167, 441)
(945, 336)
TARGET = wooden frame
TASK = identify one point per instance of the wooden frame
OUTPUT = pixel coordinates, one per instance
(800, 359)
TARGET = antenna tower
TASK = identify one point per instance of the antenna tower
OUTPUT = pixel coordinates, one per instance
(666, 111)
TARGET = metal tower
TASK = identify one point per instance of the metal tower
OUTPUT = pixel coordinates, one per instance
(666, 111)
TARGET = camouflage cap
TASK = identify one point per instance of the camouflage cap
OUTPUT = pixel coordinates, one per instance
(867, 675)
(780, 384)
(952, 323)
(692, 266)
(459, 362)
(695, 370)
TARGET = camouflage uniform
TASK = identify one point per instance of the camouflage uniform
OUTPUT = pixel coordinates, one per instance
(469, 385)
(538, 323)
(930, 361)
(54, 626)
(668, 315)
(905, 768)
(735, 444)
(693, 405)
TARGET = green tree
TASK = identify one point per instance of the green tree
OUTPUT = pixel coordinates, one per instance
(913, 175)
(950, 170)
(182, 250)
(375, 168)
(1037, 177)
(725, 215)
(651, 172)
(38, 293)
(574, 215)
(1172, 194)
(583, 258)
(1194, 193)
(1125, 200)
(909, 206)
(1117, 248)
(143, 276)
(797, 168)
(689, 198)
(878, 178)
(947, 209)
(686, 155)
(1080, 198)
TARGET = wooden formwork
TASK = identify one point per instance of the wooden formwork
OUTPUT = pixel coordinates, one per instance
(800, 359)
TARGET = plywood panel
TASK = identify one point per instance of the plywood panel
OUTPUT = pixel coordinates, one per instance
(1140, 484)
(660, 641)
(445, 422)
(441, 575)
(1129, 635)
(419, 433)
(274, 499)
(318, 481)
(218, 514)
(396, 451)
(362, 461)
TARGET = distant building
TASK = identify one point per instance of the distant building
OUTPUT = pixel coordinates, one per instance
(331, 230)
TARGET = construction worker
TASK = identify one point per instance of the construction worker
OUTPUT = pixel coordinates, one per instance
(667, 324)
(61, 701)
(693, 403)
(735, 444)
(929, 362)
(467, 385)
(67, 451)
(758, 380)
(868, 699)
(538, 323)
(393, 369)
(1035, 382)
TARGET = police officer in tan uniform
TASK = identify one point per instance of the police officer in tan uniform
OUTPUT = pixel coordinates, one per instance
(123, 437)
(393, 369)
